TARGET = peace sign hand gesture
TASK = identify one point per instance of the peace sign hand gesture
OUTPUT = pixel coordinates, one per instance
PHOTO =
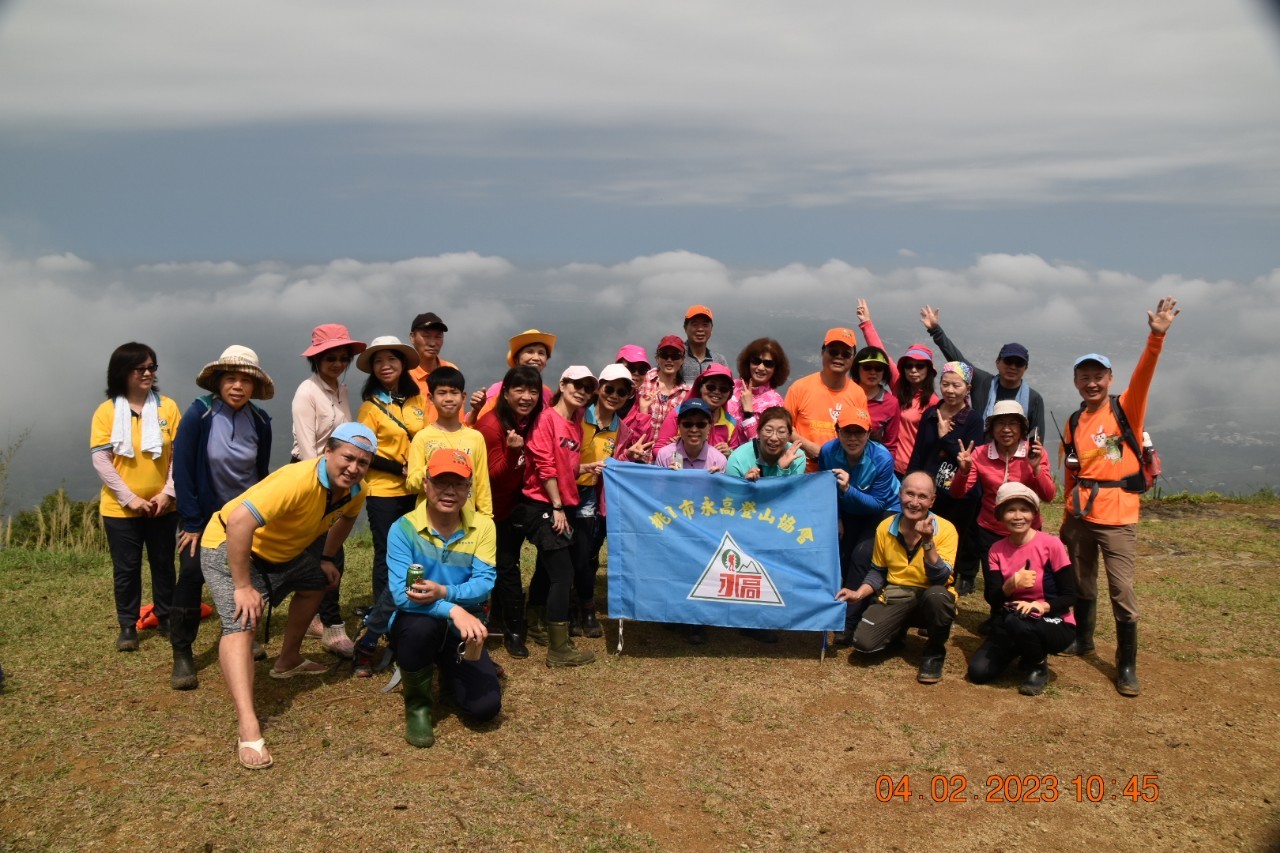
(965, 457)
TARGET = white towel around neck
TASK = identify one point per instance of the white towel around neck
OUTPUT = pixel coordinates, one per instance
(122, 428)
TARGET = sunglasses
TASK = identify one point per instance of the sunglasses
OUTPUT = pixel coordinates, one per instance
(587, 385)
(763, 362)
(336, 358)
(670, 356)
(147, 368)
(695, 424)
(717, 388)
(616, 390)
(1015, 362)
(839, 352)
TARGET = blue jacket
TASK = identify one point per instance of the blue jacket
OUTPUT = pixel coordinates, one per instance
(192, 476)
(873, 487)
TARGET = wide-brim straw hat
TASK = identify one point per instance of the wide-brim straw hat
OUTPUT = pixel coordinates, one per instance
(385, 342)
(331, 336)
(527, 337)
(237, 359)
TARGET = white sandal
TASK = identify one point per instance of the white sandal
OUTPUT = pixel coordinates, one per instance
(256, 746)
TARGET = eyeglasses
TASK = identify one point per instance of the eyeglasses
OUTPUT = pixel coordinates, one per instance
(1015, 362)
(699, 425)
(670, 356)
(616, 390)
(763, 362)
(147, 368)
(840, 352)
(717, 388)
(337, 358)
(775, 432)
(451, 488)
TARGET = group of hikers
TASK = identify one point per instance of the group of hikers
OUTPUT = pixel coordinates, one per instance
(939, 471)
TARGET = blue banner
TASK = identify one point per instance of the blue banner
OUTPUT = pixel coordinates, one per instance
(710, 549)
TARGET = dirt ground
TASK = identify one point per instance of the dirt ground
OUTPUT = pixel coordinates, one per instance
(735, 745)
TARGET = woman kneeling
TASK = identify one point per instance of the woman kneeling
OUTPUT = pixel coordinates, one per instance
(1035, 574)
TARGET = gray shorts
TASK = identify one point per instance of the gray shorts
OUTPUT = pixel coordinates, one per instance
(273, 580)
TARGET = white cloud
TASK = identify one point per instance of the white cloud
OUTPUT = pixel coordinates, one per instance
(711, 103)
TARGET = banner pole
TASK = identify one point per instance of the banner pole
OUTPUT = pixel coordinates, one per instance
(822, 654)
(620, 636)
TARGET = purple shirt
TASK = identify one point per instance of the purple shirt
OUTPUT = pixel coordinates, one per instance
(674, 456)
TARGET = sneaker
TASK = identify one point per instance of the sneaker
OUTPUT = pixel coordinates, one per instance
(336, 642)
(591, 625)
(1037, 678)
(315, 629)
(363, 657)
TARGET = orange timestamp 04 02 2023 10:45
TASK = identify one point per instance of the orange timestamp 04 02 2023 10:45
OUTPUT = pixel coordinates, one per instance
(1015, 788)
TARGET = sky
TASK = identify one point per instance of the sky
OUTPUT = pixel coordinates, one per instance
(186, 174)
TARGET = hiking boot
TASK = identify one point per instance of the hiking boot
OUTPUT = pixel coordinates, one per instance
(417, 708)
(965, 586)
(1127, 659)
(561, 650)
(575, 622)
(1037, 678)
(590, 624)
(537, 632)
(935, 655)
(1086, 612)
(128, 639)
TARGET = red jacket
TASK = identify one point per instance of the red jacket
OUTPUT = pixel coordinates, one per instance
(554, 450)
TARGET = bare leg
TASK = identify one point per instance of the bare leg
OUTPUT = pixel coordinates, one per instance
(235, 656)
(302, 608)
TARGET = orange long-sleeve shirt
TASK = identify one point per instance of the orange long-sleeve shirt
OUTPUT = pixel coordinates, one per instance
(1102, 451)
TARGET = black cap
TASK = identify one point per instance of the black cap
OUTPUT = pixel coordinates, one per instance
(429, 320)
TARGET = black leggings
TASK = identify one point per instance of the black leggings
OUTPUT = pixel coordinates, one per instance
(1015, 636)
(126, 539)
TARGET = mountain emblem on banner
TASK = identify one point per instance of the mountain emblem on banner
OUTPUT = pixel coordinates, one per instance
(734, 575)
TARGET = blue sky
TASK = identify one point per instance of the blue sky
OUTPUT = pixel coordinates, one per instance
(1142, 137)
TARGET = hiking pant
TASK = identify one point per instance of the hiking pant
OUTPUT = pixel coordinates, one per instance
(126, 537)
(1119, 547)
(422, 641)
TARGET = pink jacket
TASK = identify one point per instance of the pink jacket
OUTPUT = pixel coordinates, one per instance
(761, 399)
(992, 472)
(554, 450)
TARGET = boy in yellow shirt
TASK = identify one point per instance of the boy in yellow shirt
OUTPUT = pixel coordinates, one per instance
(448, 393)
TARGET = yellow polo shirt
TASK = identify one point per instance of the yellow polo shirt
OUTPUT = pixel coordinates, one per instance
(145, 477)
(430, 439)
(393, 440)
(903, 569)
(292, 507)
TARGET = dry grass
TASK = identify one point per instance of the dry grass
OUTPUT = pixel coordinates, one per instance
(729, 746)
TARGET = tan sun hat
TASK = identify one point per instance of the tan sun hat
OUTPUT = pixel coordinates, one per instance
(237, 359)
(1015, 492)
(409, 354)
(1005, 408)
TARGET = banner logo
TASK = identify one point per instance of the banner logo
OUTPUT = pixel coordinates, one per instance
(733, 575)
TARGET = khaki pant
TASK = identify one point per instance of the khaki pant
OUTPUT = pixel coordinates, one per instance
(1119, 547)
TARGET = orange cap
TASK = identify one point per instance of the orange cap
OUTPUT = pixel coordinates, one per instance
(446, 460)
(854, 416)
(695, 310)
(841, 336)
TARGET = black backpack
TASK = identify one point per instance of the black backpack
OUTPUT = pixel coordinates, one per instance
(1138, 482)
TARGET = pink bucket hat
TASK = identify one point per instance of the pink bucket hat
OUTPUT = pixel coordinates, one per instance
(331, 336)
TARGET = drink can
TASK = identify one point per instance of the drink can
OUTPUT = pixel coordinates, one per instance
(413, 575)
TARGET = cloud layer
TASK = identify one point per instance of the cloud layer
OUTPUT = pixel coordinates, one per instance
(64, 315)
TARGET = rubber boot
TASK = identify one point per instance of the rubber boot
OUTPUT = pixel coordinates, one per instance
(1037, 678)
(537, 630)
(590, 624)
(562, 651)
(183, 626)
(1127, 659)
(417, 707)
(935, 655)
(575, 620)
(513, 637)
(128, 639)
(1086, 611)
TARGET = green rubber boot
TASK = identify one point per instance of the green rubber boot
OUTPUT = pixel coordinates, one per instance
(534, 616)
(562, 651)
(417, 707)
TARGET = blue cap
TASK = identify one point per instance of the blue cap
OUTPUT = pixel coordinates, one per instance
(356, 433)
(693, 404)
(1093, 356)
